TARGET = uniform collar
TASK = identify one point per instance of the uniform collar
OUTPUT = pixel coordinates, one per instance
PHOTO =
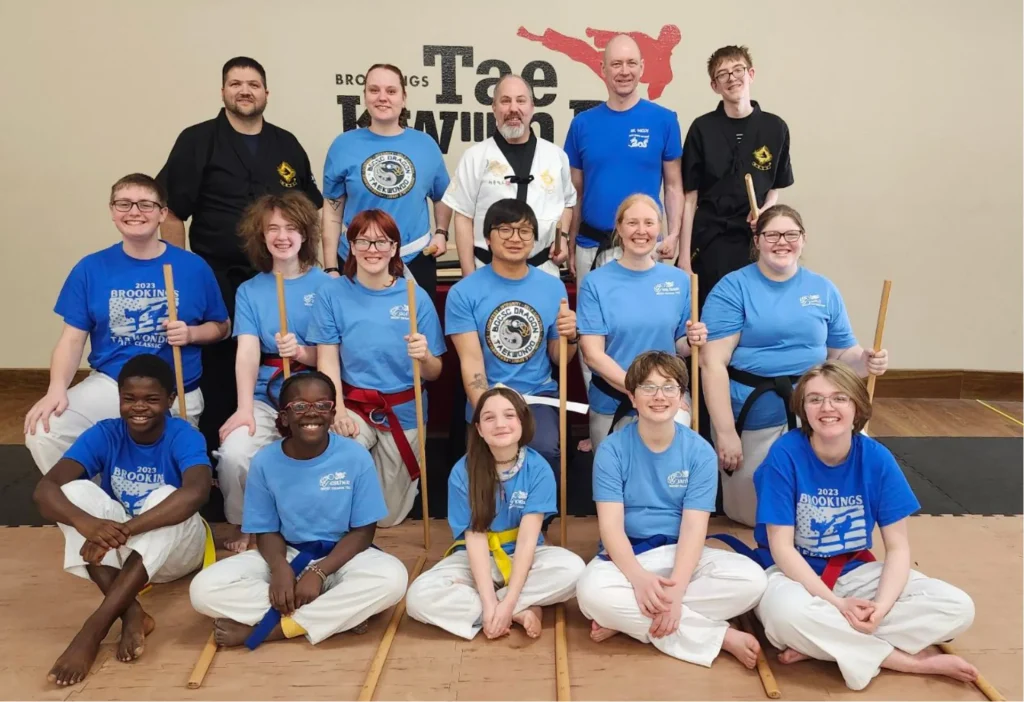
(721, 108)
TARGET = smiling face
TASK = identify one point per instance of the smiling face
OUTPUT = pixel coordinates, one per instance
(499, 424)
(375, 259)
(282, 237)
(513, 108)
(782, 256)
(136, 224)
(651, 400)
(307, 423)
(517, 247)
(384, 95)
(639, 229)
(732, 79)
(144, 405)
(243, 92)
(622, 66)
(830, 411)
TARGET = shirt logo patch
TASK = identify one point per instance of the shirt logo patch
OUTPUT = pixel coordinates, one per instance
(679, 480)
(514, 332)
(335, 481)
(389, 174)
(308, 299)
(399, 312)
(134, 485)
(811, 301)
(667, 288)
(547, 180)
(517, 500)
(827, 523)
(497, 168)
(762, 159)
(136, 316)
(287, 174)
(638, 138)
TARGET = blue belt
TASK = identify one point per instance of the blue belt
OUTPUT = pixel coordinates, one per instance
(644, 545)
(760, 555)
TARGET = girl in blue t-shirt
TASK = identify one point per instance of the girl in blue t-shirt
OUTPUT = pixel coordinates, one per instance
(385, 165)
(820, 493)
(362, 331)
(613, 333)
(497, 572)
(280, 235)
(767, 324)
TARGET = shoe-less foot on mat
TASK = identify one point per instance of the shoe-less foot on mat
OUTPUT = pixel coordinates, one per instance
(742, 645)
(73, 665)
(791, 655)
(530, 619)
(599, 633)
(228, 633)
(136, 625)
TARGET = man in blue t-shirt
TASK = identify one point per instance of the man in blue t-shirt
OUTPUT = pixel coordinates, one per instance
(141, 522)
(116, 300)
(655, 484)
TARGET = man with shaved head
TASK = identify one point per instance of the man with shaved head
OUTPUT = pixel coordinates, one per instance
(513, 163)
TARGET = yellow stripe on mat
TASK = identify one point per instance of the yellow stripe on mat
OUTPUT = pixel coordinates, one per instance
(999, 411)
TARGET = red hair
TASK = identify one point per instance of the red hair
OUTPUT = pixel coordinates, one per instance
(384, 223)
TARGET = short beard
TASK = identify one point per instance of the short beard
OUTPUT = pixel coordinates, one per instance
(257, 110)
(510, 132)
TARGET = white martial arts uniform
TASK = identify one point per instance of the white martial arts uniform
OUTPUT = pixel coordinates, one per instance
(319, 499)
(400, 490)
(834, 510)
(235, 454)
(479, 182)
(446, 595)
(655, 489)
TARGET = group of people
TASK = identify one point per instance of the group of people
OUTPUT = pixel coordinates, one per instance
(310, 465)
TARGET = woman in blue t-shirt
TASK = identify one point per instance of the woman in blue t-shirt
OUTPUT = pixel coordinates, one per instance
(387, 166)
(280, 235)
(613, 333)
(497, 572)
(820, 493)
(767, 324)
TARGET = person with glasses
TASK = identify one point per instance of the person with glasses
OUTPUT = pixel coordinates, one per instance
(281, 234)
(313, 501)
(767, 324)
(361, 329)
(821, 492)
(721, 147)
(116, 299)
(505, 321)
(653, 578)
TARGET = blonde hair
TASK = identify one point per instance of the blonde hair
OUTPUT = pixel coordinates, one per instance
(634, 199)
(846, 380)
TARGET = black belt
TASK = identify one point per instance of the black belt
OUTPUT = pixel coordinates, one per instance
(781, 386)
(603, 239)
(625, 406)
(540, 259)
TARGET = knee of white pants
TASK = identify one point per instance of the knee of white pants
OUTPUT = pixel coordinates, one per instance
(207, 589)
(589, 588)
(748, 584)
(157, 496)
(954, 606)
(782, 615)
(394, 579)
(418, 597)
(88, 497)
(44, 447)
(568, 569)
(233, 459)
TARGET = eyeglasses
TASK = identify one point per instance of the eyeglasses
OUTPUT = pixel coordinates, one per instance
(375, 244)
(143, 205)
(505, 231)
(301, 407)
(791, 236)
(737, 73)
(837, 400)
(649, 390)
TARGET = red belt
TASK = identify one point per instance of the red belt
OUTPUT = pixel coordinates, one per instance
(277, 363)
(835, 565)
(376, 408)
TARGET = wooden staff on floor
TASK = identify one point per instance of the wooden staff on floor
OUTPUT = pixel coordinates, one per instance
(286, 365)
(421, 432)
(694, 360)
(563, 684)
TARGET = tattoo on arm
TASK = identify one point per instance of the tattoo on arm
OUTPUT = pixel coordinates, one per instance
(479, 382)
(335, 204)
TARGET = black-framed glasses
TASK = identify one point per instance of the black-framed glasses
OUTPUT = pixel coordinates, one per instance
(375, 244)
(143, 205)
(301, 406)
(736, 72)
(505, 231)
(650, 390)
(791, 237)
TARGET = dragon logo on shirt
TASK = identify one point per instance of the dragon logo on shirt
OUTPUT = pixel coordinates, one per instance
(514, 332)
(389, 174)
(496, 167)
(287, 174)
(762, 159)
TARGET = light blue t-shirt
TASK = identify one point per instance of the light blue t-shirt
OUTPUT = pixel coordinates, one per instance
(530, 491)
(655, 488)
(833, 509)
(370, 326)
(256, 314)
(396, 174)
(620, 153)
(514, 320)
(320, 499)
(122, 302)
(785, 329)
(130, 471)
(661, 292)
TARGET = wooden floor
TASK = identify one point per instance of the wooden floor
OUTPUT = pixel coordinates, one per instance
(42, 608)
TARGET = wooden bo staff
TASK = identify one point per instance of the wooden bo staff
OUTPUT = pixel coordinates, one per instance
(751, 196)
(694, 360)
(285, 362)
(764, 671)
(883, 308)
(563, 684)
(420, 429)
(981, 683)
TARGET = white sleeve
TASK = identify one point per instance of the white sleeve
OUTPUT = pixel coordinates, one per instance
(569, 189)
(465, 186)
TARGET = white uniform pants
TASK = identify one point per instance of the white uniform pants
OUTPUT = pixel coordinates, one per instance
(929, 611)
(167, 553)
(238, 588)
(724, 585)
(738, 496)
(400, 490)
(446, 595)
(235, 455)
(93, 399)
(601, 423)
(584, 259)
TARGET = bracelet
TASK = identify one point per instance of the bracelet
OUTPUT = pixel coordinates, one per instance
(332, 269)
(322, 575)
(442, 232)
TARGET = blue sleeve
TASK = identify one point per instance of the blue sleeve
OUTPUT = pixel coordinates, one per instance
(189, 449)
(458, 502)
(245, 316)
(840, 333)
(589, 315)
(608, 483)
(458, 316)
(723, 310)
(73, 301)
(702, 487)
(775, 486)
(92, 450)
(334, 176)
(571, 149)
(259, 508)
(216, 310)
(674, 140)
(323, 327)
(894, 497)
(541, 498)
(428, 323)
(367, 497)
(687, 301)
(441, 178)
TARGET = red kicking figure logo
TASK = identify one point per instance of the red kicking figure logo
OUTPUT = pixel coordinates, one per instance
(656, 52)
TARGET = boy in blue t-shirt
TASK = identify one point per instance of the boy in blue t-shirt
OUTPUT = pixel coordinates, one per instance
(141, 522)
(655, 484)
(116, 299)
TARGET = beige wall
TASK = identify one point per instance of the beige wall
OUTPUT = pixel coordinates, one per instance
(905, 116)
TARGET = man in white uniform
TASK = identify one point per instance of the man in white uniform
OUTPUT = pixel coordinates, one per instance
(513, 163)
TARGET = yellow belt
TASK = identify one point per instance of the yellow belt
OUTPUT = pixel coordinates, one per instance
(495, 540)
(209, 554)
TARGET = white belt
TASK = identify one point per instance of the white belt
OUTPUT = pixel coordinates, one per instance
(414, 247)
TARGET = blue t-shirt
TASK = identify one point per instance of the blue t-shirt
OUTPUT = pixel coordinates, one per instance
(122, 302)
(320, 499)
(256, 314)
(833, 509)
(514, 320)
(370, 326)
(662, 292)
(396, 174)
(620, 153)
(530, 491)
(130, 471)
(785, 329)
(655, 488)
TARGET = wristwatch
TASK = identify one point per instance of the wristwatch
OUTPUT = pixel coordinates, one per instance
(576, 339)
(442, 232)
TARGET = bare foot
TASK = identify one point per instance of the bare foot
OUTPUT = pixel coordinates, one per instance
(136, 625)
(74, 664)
(360, 628)
(586, 446)
(791, 655)
(228, 633)
(530, 619)
(599, 633)
(239, 542)
(742, 645)
(951, 666)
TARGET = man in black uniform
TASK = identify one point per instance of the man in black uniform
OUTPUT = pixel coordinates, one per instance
(721, 147)
(216, 169)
